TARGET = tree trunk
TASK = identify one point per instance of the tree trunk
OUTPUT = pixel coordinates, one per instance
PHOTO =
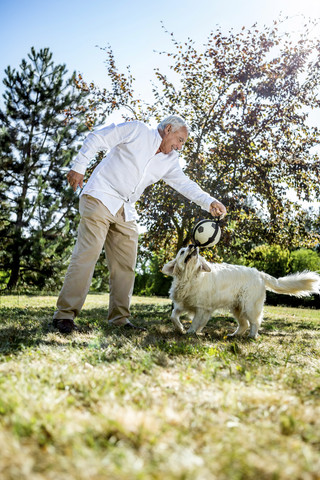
(15, 270)
(18, 242)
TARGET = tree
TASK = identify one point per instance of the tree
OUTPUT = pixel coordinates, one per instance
(246, 97)
(36, 225)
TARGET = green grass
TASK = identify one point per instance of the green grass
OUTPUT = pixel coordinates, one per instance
(101, 404)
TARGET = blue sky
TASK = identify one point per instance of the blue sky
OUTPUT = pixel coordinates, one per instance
(72, 29)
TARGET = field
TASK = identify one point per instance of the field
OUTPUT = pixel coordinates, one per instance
(104, 404)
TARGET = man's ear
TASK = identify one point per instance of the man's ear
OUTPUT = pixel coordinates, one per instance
(204, 267)
(168, 268)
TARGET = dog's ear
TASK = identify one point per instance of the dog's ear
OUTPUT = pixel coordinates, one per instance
(168, 268)
(204, 267)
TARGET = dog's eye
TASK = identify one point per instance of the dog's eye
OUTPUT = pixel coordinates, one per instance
(182, 252)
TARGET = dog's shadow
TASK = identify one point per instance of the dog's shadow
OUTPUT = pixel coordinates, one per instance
(156, 319)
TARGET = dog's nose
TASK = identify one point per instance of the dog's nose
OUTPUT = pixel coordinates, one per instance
(192, 249)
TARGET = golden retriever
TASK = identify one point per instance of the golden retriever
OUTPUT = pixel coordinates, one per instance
(199, 288)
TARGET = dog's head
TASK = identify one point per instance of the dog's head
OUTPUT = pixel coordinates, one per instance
(188, 262)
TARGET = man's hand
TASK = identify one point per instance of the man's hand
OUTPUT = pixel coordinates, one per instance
(217, 209)
(75, 179)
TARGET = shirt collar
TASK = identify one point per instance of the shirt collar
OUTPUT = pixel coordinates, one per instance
(158, 137)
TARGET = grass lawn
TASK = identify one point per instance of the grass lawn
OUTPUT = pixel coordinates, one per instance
(102, 404)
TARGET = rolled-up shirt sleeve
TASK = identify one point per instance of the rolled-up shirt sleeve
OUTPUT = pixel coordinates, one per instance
(103, 139)
(188, 188)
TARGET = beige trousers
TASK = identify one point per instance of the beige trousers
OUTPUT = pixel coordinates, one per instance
(98, 228)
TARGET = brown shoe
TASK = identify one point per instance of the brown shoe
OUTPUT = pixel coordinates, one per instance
(65, 325)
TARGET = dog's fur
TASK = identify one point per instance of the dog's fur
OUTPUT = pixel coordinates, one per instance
(199, 288)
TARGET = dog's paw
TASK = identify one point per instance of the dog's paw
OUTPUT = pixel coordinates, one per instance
(235, 334)
(180, 330)
(178, 325)
(191, 331)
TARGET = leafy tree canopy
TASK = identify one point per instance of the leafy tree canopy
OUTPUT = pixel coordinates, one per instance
(246, 96)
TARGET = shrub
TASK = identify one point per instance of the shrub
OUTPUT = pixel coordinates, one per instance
(271, 259)
(304, 259)
(151, 281)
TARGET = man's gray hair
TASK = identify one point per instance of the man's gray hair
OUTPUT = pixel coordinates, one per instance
(175, 121)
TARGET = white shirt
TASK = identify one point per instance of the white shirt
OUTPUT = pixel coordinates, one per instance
(130, 165)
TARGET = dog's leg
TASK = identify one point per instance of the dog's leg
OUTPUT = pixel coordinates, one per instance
(200, 320)
(175, 318)
(255, 316)
(254, 326)
(243, 323)
(254, 330)
(242, 328)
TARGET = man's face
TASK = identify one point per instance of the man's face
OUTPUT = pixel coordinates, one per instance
(172, 140)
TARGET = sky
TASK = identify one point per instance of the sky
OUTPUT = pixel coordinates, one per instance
(77, 30)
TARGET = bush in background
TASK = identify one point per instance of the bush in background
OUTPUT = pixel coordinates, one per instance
(272, 259)
(304, 259)
(150, 280)
(278, 262)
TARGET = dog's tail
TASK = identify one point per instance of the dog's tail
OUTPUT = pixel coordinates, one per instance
(298, 284)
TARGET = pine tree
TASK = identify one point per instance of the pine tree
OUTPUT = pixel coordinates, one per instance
(37, 207)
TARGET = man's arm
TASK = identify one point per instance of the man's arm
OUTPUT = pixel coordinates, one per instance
(103, 139)
(190, 189)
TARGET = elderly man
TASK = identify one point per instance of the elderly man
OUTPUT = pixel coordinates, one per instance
(137, 156)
